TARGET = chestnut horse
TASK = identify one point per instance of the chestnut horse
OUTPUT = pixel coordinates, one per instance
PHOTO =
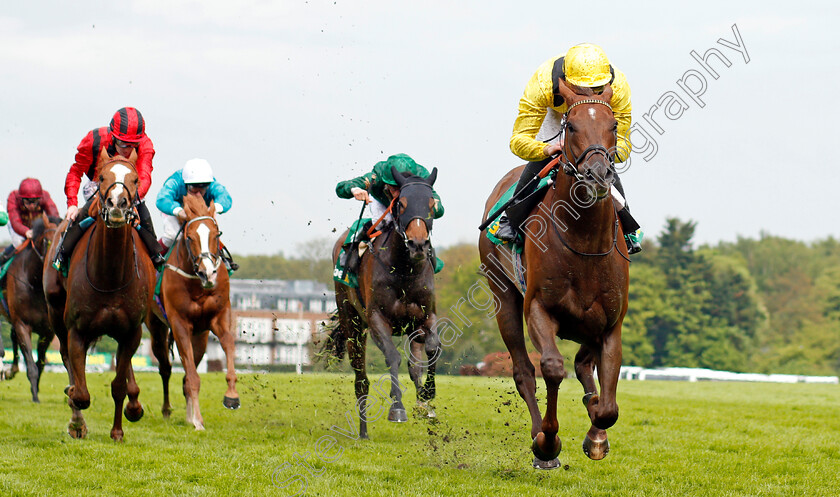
(395, 297)
(196, 298)
(107, 292)
(27, 307)
(576, 280)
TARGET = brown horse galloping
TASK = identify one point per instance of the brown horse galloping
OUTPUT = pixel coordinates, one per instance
(196, 298)
(395, 297)
(107, 292)
(27, 307)
(576, 280)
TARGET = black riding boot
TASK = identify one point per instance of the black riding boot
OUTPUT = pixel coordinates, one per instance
(227, 258)
(147, 234)
(509, 224)
(71, 237)
(628, 223)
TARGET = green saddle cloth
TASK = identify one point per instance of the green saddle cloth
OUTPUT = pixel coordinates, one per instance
(348, 277)
(493, 227)
(5, 266)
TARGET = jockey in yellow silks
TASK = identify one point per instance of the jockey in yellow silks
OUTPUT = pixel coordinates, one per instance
(540, 109)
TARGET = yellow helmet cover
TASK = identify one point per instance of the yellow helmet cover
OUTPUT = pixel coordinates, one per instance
(586, 65)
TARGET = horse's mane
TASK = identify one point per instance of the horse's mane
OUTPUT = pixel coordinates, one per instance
(195, 206)
(38, 226)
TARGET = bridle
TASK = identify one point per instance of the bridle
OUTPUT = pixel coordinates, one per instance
(104, 212)
(396, 207)
(195, 260)
(569, 160)
(570, 167)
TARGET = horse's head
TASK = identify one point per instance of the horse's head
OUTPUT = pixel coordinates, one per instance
(43, 229)
(201, 238)
(414, 212)
(118, 183)
(590, 139)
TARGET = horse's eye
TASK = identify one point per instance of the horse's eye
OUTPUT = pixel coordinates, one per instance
(101, 178)
(570, 128)
(615, 127)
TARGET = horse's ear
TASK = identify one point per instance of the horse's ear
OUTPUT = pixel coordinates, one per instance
(212, 208)
(133, 157)
(397, 176)
(103, 156)
(607, 94)
(432, 177)
(569, 97)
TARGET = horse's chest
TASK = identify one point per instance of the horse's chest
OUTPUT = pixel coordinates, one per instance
(581, 306)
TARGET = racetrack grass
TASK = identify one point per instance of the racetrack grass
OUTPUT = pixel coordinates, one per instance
(671, 439)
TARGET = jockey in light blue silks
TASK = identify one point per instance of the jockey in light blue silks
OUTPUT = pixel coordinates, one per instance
(196, 178)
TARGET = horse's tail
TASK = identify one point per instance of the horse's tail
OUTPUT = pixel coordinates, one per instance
(335, 344)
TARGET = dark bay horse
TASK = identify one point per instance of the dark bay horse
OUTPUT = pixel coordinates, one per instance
(395, 298)
(576, 280)
(25, 296)
(107, 292)
(196, 298)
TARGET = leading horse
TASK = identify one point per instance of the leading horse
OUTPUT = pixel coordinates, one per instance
(27, 307)
(395, 298)
(576, 280)
(196, 298)
(107, 292)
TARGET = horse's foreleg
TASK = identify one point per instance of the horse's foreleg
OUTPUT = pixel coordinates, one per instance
(433, 352)
(183, 339)
(221, 328)
(160, 348)
(585, 372)
(543, 329)
(15, 357)
(43, 344)
(23, 333)
(356, 346)
(73, 351)
(381, 332)
(133, 410)
(603, 409)
(119, 386)
(509, 319)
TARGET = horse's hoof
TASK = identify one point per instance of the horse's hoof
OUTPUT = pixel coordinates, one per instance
(231, 402)
(77, 430)
(67, 390)
(35, 400)
(552, 464)
(199, 427)
(587, 398)
(167, 412)
(426, 410)
(539, 441)
(117, 435)
(133, 415)
(397, 416)
(595, 450)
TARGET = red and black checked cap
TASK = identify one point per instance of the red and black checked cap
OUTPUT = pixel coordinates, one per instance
(128, 125)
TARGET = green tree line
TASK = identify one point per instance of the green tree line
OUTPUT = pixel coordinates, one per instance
(768, 305)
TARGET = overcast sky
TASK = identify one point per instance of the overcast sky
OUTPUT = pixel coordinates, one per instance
(286, 98)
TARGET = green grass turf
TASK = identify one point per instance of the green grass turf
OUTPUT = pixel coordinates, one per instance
(671, 439)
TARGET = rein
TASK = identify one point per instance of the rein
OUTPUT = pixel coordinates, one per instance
(371, 233)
